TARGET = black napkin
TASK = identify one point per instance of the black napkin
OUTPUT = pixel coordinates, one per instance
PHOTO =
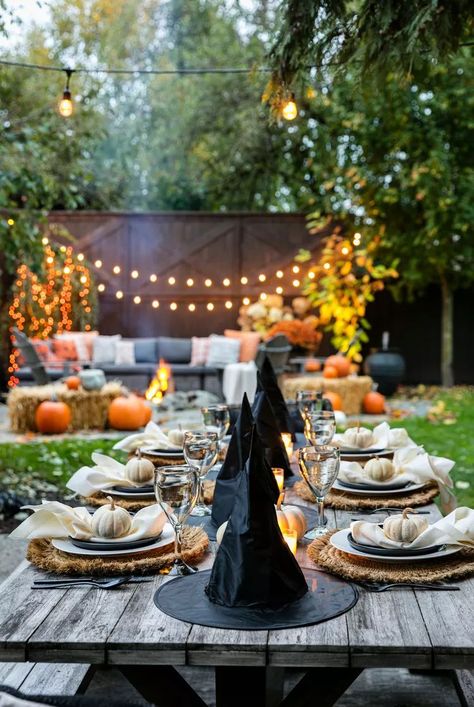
(235, 460)
(254, 566)
(269, 433)
(269, 383)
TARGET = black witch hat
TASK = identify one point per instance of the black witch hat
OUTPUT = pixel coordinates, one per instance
(269, 433)
(254, 566)
(269, 382)
(236, 458)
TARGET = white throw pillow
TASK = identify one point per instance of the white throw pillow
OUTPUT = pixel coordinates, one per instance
(222, 351)
(125, 353)
(104, 348)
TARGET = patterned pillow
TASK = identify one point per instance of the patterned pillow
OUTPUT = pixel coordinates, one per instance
(199, 350)
(104, 348)
(222, 351)
(249, 343)
(125, 353)
(65, 349)
(83, 340)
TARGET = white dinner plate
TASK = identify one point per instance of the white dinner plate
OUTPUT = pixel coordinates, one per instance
(355, 454)
(377, 492)
(164, 453)
(64, 545)
(339, 540)
(130, 494)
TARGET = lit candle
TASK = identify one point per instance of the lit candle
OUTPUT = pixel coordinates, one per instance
(291, 539)
(288, 442)
(279, 475)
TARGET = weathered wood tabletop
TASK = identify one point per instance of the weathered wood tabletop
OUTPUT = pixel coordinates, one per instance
(402, 628)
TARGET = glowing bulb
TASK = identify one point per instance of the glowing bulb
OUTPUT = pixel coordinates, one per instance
(344, 250)
(134, 274)
(279, 274)
(155, 304)
(44, 241)
(262, 277)
(191, 307)
(228, 304)
(226, 282)
(296, 283)
(296, 269)
(67, 270)
(171, 280)
(208, 282)
(137, 299)
(326, 266)
(101, 287)
(98, 263)
(279, 290)
(65, 105)
(153, 277)
(49, 259)
(289, 110)
(173, 306)
(311, 275)
(83, 279)
(117, 269)
(244, 280)
(358, 236)
(210, 306)
(263, 296)
(245, 301)
(119, 294)
(190, 282)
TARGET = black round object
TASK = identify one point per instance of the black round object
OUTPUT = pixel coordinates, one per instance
(387, 368)
(372, 487)
(394, 551)
(105, 545)
(134, 489)
(184, 598)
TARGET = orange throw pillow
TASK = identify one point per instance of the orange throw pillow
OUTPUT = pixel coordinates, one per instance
(249, 343)
(65, 349)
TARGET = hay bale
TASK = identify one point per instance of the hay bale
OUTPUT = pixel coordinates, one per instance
(351, 389)
(88, 408)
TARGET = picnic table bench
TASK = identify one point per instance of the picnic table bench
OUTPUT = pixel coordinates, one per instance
(123, 628)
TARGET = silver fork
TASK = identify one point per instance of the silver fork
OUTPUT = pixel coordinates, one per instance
(384, 587)
(109, 584)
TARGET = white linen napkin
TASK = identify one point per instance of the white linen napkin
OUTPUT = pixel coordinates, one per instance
(53, 519)
(152, 436)
(411, 464)
(457, 528)
(383, 437)
(106, 473)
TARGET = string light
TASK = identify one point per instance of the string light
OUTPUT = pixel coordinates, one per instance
(311, 275)
(289, 109)
(137, 299)
(263, 296)
(101, 287)
(210, 306)
(262, 277)
(116, 269)
(279, 274)
(296, 269)
(11, 222)
(171, 280)
(226, 282)
(153, 277)
(83, 279)
(191, 307)
(134, 274)
(80, 257)
(244, 280)
(98, 264)
(327, 266)
(45, 241)
(208, 282)
(119, 294)
(279, 290)
(228, 304)
(155, 304)
(190, 282)
(345, 250)
(173, 306)
(66, 106)
(296, 283)
(245, 301)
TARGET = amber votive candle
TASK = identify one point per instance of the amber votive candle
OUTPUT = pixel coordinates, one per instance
(279, 475)
(288, 442)
(291, 539)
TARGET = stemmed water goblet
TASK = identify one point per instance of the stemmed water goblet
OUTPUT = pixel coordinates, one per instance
(319, 467)
(320, 427)
(176, 490)
(216, 419)
(309, 401)
(200, 451)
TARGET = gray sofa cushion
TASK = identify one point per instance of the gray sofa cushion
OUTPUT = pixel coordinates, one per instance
(146, 350)
(137, 368)
(184, 369)
(174, 350)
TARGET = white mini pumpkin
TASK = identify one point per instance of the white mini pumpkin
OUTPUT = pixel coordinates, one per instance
(404, 528)
(359, 437)
(176, 437)
(292, 518)
(139, 470)
(111, 521)
(379, 469)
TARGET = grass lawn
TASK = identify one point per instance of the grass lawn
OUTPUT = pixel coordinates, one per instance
(43, 466)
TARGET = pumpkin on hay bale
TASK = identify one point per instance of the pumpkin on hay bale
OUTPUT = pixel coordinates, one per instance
(340, 363)
(52, 417)
(374, 403)
(128, 413)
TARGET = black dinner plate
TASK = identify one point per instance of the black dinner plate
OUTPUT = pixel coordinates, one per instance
(392, 552)
(105, 545)
(163, 452)
(372, 487)
(369, 450)
(134, 489)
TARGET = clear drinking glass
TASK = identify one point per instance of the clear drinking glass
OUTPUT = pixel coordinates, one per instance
(320, 427)
(319, 467)
(216, 419)
(200, 451)
(176, 490)
(309, 401)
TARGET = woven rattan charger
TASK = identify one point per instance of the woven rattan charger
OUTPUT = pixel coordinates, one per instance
(341, 501)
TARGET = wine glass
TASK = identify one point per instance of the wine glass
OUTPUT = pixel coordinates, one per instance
(176, 490)
(309, 401)
(320, 427)
(216, 419)
(200, 451)
(319, 467)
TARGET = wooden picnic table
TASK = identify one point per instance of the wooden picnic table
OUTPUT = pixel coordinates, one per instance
(123, 628)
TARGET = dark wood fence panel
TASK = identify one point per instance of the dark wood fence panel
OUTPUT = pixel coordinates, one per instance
(219, 246)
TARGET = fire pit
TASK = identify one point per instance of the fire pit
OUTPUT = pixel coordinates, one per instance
(161, 384)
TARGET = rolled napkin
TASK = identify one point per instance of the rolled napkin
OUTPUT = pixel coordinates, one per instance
(457, 528)
(53, 519)
(152, 436)
(410, 464)
(381, 437)
(106, 473)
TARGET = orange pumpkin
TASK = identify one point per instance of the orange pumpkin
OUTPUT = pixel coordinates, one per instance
(334, 398)
(312, 365)
(330, 372)
(126, 413)
(374, 403)
(73, 382)
(52, 417)
(147, 411)
(340, 363)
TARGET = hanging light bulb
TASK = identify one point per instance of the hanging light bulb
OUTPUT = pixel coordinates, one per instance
(289, 110)
(66, 106)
